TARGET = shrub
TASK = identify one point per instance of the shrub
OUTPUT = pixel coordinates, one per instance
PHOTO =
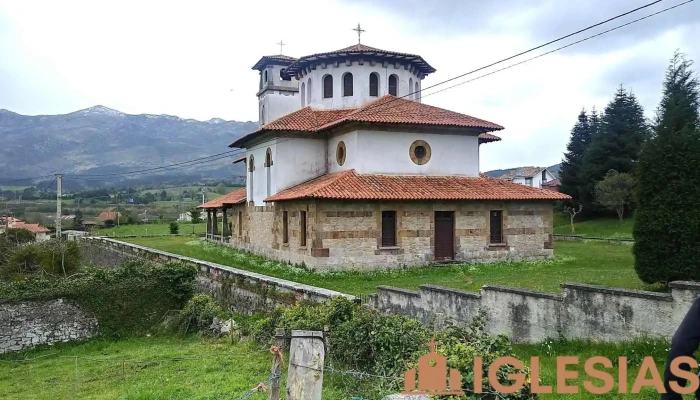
(174, 228)
(198, 314)
(52, 257)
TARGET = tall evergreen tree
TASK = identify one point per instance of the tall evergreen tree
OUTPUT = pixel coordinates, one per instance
(667, 224)
(570, 173)
(616, 141)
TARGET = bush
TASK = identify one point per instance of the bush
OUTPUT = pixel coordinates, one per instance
(199, 313)
(174, 228)
(130, 299)
(52, 257)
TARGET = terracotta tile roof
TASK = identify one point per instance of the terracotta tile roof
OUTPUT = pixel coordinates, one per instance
(487, 138)
(33, 228)
(107, 215)
(278, 59)
(348, 185)
(356, 51)
(235, 197)
(385, 110)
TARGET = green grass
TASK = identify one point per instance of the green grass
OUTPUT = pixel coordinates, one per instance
(152, 229)
(211, 369)
(592, 263)
(216, 369)
(602, 227)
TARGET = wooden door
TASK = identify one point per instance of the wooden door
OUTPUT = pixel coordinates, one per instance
(444, 235)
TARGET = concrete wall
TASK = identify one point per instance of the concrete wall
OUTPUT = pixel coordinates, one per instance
(245, 291)
(360, 83)
(387, 152)
(32, 323)
(578, 312)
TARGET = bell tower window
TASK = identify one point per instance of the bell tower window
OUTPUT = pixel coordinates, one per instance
(374, 84)
(328, 87)
(347, 84)
(393, 85)
(303, 94)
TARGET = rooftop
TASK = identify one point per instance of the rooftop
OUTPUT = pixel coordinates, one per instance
(385, 110)
(278, 59)
(349, 185)
(235, 197)
(522, 172)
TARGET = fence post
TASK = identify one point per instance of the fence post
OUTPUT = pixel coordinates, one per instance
(305, 373)
(276, 370)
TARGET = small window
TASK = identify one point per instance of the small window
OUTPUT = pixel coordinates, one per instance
(302, 228)
(416, 92)
(347, 84)
(374, 84)
(308, 91)
(496, 227)
(410, 88)
(262, 115)
(285, 228)
(393, 85)
(528, 181)
(240, 223)
(544, 176)
(340, 153)
(303, 94)
(265, 76)
(327, 87)
(388, 228)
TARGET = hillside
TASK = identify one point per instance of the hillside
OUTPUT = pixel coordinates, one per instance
(100, 140)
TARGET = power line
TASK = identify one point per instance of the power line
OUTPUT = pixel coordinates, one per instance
(25, 179)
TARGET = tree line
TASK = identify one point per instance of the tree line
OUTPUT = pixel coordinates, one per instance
(621, 161)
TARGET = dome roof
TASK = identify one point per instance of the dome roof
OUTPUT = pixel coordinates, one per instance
(358, 52)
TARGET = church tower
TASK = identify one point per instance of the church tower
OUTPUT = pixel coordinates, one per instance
(276, 96)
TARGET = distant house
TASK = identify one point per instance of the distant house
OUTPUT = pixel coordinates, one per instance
(108, 215)
(529, 176)
(552, 185)
(186, 217)
(41, 233)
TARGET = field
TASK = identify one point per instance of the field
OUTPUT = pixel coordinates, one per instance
(152, 229)
(211, 191)
(592, 263)
(602, 228)
(200, 368)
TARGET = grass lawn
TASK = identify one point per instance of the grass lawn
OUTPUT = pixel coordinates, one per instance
(152, 229)
(207, 369)
(602, 228)
(592, 263)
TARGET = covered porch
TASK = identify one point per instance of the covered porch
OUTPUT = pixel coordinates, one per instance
(219, 219)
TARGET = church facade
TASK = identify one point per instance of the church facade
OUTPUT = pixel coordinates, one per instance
(349, 169)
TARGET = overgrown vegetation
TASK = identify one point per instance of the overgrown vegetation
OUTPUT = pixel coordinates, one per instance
(126, 300)
(667, 238)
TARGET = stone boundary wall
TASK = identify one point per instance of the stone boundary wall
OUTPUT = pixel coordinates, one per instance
(31, 323)
(244, 291)
(526, 316)
(581, 238)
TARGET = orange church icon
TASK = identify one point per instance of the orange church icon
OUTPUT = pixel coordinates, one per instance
(433, 376)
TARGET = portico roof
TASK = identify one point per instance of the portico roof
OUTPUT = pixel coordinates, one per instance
(235, 197)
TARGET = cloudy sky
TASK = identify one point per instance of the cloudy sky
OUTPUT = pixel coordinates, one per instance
(193, 59)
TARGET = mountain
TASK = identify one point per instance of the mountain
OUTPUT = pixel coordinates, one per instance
(497, 173)
(100, 140)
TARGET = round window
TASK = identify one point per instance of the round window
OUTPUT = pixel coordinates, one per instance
(340, 153)
(420, 152)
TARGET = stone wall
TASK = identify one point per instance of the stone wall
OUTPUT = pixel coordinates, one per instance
(526, 316)
(244, 291)
(347, 235)
(28, 324)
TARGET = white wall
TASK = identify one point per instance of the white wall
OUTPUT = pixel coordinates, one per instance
(277, 103)
(374, 152)
(360, 84)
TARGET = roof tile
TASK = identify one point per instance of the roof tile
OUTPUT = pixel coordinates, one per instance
(236, 197)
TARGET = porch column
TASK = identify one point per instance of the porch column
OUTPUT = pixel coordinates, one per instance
(224, 221)
(209, 230)
(215, 222)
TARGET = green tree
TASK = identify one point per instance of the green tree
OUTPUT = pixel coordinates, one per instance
(196, 215)
(616, 142)
(570, 175)
(667, 223)
(78, 220)
(616, 191)
(174, 228)
(163, 195)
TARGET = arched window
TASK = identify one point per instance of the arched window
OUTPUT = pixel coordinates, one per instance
(393, 85)
(416, 92)
(374, 84)
(251, 168)
(347, 84)
(410, 89)
(262, 115)
(303, 94)
(265, 76)
(268, 177)
(308, 88)
(327, 87)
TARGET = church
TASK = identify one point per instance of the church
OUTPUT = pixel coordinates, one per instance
(349, 169)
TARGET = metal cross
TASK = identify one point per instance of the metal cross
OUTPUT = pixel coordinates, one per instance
(359, 31)
(281, 43)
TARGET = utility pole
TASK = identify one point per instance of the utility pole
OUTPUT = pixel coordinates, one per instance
(59, 185)
(117, 208)
(202, 195)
